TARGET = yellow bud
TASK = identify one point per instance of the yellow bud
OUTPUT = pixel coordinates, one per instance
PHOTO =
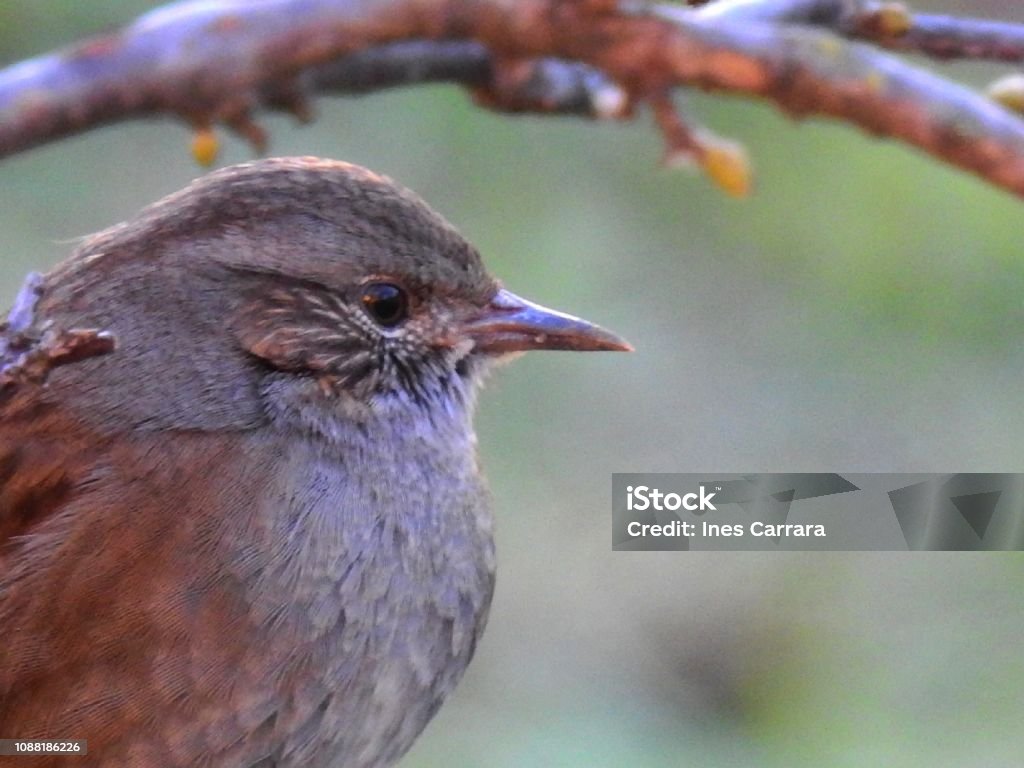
(894, 19)
(726, 163)
(205, 147)
(1008, 91)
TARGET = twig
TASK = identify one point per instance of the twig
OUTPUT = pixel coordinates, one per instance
(27, 356)
(948, 37)
(889, 24)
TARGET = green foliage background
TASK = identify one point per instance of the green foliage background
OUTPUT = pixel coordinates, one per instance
(859, 313)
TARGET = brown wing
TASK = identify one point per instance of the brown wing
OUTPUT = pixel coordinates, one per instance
(36, 476)
(116, 624)
(36, 470)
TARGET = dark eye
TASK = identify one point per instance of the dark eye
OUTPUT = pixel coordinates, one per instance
(386, 303)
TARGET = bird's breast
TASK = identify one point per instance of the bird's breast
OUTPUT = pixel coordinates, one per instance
(375, 575)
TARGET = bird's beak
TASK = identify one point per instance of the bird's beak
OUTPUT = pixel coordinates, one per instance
(512, 324)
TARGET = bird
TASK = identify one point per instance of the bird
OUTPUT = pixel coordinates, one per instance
(242, 518)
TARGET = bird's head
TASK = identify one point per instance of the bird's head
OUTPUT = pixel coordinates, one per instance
(338, 276)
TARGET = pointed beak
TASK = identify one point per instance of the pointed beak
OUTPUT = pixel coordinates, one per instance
(512, 324)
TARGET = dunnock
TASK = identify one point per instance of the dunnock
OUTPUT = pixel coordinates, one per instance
(241, 518)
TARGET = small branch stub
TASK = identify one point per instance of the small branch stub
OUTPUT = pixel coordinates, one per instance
(27, 357)
(29, 362)
(723, 161)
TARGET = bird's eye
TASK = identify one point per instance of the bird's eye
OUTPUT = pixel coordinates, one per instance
(386, 303)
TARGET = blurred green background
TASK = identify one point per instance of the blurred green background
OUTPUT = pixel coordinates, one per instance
(858, 313)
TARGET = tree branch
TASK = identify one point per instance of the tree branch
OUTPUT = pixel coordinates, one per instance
(824, 12)
(211, 62)
(948, 37)
(890, 24)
